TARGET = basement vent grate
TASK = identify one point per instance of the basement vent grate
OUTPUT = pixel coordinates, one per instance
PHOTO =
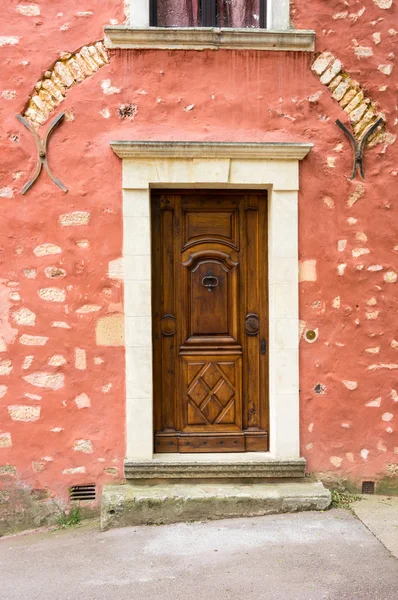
(368, 487)
(82, 492)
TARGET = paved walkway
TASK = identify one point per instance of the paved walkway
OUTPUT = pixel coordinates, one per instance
(304, 556)
(380, 515)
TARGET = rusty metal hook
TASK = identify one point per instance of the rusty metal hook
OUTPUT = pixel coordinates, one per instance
(42, 152)
(358, 149)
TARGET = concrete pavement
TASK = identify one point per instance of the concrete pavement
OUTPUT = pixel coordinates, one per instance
(303, 556)
(380, 515)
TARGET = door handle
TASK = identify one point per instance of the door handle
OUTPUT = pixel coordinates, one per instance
(210, 281)
(263, 346)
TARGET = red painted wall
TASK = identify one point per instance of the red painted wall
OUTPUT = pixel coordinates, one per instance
(236, 96)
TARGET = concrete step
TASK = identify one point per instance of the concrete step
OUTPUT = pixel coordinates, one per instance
(130, 504)
(206, 469)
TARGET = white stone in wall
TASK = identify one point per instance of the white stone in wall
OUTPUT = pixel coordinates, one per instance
(3, 390)
(32, 396)
(9, 40)
(83, 446)
(80, 359)
(52, 294)
(74, 219)
(46, 249)
(88, 308)
(60, 324)
(24, 413)
(350, 385)
(5, 367)
(6, 192)
(307, 270)
(387, 416)
(115, 269)
(53, 381)
(33, 340)
(27, 361)
(28, 10)
(5, 440)
(108, 88)
(57, 360)
(384, 4)
(82, 401)
(24, 316)
(74, 471)
(390, 277)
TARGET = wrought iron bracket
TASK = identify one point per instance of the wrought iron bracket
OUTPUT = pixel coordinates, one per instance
(358, 148)
(41, 145)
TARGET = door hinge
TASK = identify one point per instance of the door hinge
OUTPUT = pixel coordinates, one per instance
(263, 346)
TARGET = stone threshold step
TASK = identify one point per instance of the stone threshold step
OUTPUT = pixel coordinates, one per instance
(129, 504)
(220, 469)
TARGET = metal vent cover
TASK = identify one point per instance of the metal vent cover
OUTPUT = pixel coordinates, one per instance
(368, 487)
(82, 492)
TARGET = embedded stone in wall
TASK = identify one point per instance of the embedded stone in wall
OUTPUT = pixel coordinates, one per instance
(28, 10)
(52, 381)
(60, 324)
(115, 269)
(8, 470)
(109, 330)
(83, 446)
(69, 70)
(5, 440)
(390, 277)
(54, 272)
(88, 308)
(57, 360)
(74, 471)
(80, 359)
(384, 4)
(5, 366)
(350, 385)
(82, 401)
(307, 270)
(33, 340)
(74, 219)
(3, 390)
(24, 413)
(47, 249)
(52, 294)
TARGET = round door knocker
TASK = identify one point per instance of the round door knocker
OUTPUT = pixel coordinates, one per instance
(252, 324)
(210, 281)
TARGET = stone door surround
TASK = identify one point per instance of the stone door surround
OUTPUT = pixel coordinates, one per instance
(212, 165)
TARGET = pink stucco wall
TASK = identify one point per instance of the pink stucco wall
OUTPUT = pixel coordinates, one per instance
(348, 421)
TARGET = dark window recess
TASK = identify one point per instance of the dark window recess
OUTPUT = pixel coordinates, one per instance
(208, 13)
(82, 492)
(368, 487)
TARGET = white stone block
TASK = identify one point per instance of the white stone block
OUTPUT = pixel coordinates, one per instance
(138, 331)
(211, 170)
(137, 298)
(137, 268)
(136, 203)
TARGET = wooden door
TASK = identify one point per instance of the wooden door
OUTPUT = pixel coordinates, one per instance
(209, 290)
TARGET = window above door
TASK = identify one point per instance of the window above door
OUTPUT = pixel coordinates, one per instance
(209, 24)
(209, 13)
(256, 14)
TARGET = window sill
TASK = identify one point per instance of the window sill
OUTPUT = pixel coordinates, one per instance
(208, 38)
